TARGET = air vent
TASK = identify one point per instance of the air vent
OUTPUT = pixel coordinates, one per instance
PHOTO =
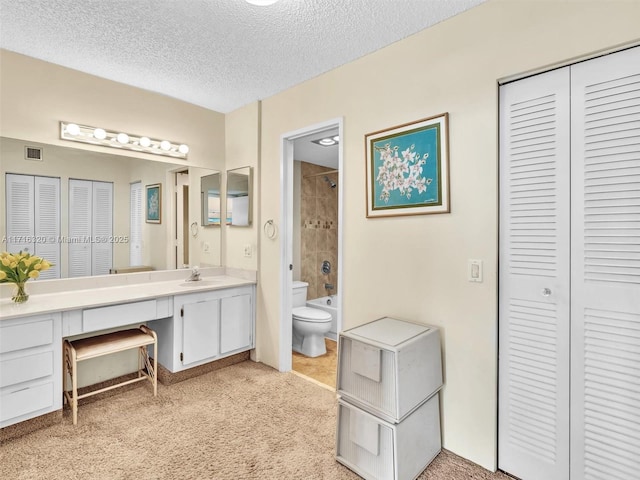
(33, 153)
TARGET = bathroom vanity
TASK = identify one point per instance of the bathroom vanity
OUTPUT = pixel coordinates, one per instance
(196, 323)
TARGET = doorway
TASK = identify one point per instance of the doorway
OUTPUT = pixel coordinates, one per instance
(292, 144)
(181, 219)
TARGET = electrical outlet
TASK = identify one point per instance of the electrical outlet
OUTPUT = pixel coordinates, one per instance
(474, 270)
(247, 250)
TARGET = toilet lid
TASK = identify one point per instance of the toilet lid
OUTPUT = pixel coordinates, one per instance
(311, 314)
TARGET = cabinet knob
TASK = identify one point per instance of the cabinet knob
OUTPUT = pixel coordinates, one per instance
(546, 292)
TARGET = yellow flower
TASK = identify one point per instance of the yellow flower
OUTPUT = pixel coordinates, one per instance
(6, 262)
(26, 261)
(44, 265)
(37, 266)
(13, 264)
(34, 274)
(3, 274)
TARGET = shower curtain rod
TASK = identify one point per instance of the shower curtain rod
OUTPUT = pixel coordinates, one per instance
(321, 173)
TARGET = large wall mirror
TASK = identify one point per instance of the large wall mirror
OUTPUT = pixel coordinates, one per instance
(239, 197)
(211, 206)
(88, 192)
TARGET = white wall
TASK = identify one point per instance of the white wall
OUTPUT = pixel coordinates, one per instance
(414, 268)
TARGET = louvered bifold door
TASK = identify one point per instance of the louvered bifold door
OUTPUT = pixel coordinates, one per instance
(605, 357)
(135, 224)
(534, 278)
(80, 196)
(19, 213)
(47, 223)
(102, 255)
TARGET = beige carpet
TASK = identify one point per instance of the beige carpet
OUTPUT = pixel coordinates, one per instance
(246, 421)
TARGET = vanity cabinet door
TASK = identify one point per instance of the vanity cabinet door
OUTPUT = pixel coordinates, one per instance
(200, 327)
(236, 327)
(30, 367)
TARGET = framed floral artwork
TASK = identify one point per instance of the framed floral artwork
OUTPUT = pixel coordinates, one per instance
(408, 168)
(153, 203)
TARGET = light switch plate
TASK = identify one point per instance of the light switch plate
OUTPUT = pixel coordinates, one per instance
(474, 270)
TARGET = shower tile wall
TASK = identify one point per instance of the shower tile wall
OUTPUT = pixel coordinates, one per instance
(319, 229)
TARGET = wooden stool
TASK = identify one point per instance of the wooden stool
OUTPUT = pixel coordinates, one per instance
(78, 350)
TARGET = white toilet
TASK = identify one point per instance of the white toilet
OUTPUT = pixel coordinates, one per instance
(309, 324)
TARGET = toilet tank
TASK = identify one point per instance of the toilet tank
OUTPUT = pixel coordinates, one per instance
(299, 294)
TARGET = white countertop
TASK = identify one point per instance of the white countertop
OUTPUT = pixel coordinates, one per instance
(75, 299)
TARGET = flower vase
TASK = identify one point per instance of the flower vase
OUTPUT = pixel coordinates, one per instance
(20, 295)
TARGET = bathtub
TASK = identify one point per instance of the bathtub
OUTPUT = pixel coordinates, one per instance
(328, 304)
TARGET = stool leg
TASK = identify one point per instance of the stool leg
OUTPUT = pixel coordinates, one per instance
(74, 385)
(155, 368)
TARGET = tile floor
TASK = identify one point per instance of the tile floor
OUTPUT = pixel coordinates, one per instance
(322, 368)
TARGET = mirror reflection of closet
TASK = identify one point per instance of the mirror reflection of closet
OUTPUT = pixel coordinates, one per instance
(211, 206)
(239, 186)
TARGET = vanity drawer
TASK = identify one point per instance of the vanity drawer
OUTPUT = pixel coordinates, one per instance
(101, 318)
(28, 367)
(26, 400)
(26, 335)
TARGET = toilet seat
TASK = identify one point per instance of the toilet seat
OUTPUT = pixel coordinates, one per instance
(313, 315)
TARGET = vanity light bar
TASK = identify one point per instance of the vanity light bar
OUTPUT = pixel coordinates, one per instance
(126, 141)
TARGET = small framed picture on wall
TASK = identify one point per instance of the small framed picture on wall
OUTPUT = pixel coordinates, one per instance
(153, 203)
(408, 168)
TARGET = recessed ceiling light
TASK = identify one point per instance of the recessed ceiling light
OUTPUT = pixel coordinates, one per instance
(325, 142)
(337, 138)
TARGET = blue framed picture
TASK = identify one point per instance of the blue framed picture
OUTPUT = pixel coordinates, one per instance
(408, 169)
(153, 203)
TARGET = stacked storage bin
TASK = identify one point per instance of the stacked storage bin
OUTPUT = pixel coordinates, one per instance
(389, 375)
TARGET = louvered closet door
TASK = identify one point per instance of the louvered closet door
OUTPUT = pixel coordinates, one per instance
(80, 213)
(135, 224)
(605, 356)
(102, 228)
(19, 214)
(534, 277)
(47, 223)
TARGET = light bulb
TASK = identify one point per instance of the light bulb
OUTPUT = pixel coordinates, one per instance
(100, 134)
(184, 149)
(73, 129)
(326, 141)
(145, 142)
(337, 138)
(122, 138)
(165, 145)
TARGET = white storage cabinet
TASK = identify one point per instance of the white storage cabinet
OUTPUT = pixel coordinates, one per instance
(389, 374)
(30, 367)
(379, 450)
(389, 367)
(206, 326)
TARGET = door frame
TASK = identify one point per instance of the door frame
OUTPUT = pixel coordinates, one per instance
(286, 233)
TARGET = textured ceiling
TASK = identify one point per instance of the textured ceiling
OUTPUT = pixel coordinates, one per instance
(219, 54)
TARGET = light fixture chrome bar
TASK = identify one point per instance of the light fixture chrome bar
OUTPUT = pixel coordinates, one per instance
(125, 141)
